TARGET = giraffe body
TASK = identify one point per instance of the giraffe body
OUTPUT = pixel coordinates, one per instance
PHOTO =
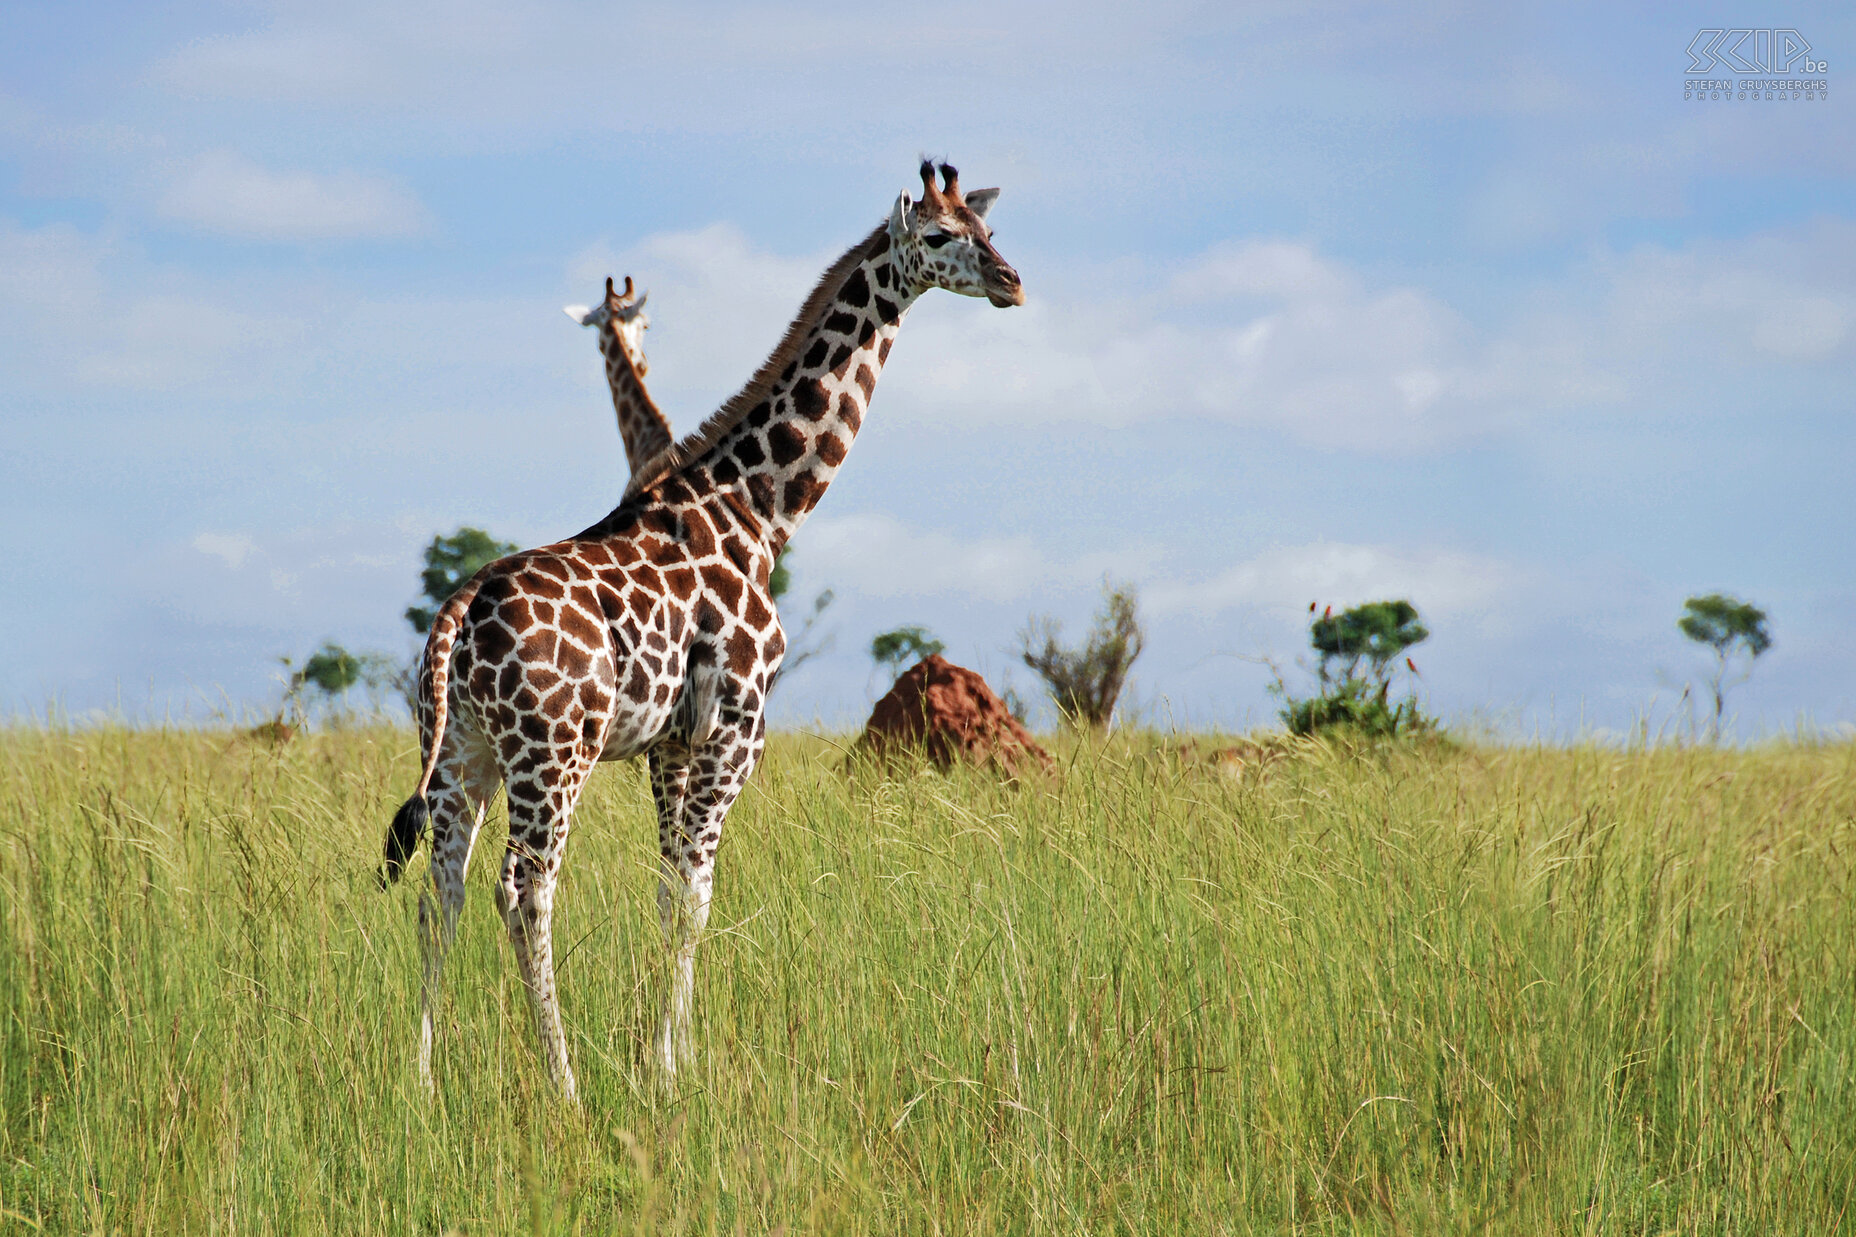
(654, 631)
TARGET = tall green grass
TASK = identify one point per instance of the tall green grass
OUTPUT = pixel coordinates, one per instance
(1425, 991)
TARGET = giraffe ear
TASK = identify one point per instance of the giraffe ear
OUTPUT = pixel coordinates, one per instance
(979, 201)
(585, 316)
(902, 221)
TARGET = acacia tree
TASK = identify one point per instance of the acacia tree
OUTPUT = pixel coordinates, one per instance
(895, 651)
(1732, 629)
(1358, 652)
(1085, 682)
(449, 561)
(1376, 633)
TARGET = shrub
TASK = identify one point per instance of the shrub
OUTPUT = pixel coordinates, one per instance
(1085, 683)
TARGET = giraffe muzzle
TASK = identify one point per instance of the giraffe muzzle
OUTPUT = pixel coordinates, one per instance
(1003, 288)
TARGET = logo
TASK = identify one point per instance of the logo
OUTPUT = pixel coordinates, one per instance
(1779, 52)
(1752, 51)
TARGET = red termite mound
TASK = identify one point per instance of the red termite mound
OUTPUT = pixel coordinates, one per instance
(948, 712)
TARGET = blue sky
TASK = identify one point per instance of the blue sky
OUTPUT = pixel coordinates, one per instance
(1327, 303)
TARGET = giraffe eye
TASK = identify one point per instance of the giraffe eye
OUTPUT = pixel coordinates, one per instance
(936, 240)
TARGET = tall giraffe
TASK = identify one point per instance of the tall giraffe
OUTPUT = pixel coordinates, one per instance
(621, 322)
(653, 630)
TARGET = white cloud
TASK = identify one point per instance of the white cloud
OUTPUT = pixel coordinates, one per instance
(1269, 333)
(1273, 334)
(281, 64)
(230, 548)
(1266, 333)
(1782, 296)
(83, 308)
(878, 556)
(347, 578)
(222, 191)
(544, 61)
(1279, 270)
(1803, 327)
(1444, 582)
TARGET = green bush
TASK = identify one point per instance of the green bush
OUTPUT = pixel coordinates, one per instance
(1355, 705)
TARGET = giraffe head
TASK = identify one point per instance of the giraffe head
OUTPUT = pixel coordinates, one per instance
(942, 241)
(625, 311)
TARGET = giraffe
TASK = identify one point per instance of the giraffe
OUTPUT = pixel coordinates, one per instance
(621, 321)
(653, 630)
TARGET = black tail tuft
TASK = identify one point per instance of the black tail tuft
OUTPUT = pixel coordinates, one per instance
(409, 825)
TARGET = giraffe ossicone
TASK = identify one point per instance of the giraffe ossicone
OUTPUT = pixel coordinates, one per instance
(654, 631)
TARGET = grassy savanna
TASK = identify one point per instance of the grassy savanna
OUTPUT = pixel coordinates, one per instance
(1422, 991)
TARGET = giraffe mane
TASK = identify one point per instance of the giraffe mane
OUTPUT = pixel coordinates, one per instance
(678, 456)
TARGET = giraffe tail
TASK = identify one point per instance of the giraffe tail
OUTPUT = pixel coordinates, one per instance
(415, 815)
(409, 825)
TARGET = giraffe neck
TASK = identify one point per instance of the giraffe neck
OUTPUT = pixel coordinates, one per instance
(794, 430)
(642, 426)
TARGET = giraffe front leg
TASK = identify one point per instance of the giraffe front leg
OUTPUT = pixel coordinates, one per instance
(683, 906)
(713, 777)
(539, 815)
(670, 772)
(462, 785)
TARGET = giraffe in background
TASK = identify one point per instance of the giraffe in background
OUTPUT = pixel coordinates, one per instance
(653, 631)
(621, 322)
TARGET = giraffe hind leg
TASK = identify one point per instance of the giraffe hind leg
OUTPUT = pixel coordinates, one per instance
(462, 786)
(540, 811)
(718, 770)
